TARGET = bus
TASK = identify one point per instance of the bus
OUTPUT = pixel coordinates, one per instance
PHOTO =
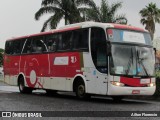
(87, 58)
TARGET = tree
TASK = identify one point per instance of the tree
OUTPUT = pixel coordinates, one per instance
(70, 10)
(1, 56)
(106, 13)
(150, 15)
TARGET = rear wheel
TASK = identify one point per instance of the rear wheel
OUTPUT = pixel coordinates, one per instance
(22, 87)
(80, 91)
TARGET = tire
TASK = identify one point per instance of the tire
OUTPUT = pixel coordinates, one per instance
(117, 98)
(80, 91)
(22, 87)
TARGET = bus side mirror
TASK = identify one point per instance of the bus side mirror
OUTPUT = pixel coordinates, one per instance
(108, 48)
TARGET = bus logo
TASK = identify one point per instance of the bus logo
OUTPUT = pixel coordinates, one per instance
(73, 59)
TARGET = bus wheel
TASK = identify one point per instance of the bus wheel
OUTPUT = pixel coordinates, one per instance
(80, 91)
(117, 98)
(22, 87)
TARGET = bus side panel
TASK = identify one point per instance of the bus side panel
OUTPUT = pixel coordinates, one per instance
(11, 65)
(35, 67)
(6, 67)
(64, 66)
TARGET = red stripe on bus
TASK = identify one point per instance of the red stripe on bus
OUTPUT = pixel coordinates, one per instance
(135, 82)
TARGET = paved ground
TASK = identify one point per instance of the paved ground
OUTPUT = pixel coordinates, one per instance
(12, 100)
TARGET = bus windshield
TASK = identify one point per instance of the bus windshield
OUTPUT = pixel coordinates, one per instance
(132, 60)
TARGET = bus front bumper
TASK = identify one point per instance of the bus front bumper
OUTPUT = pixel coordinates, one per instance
(123, 90)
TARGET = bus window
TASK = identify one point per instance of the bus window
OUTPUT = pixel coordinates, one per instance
(80, 39)
(52, 42)
(18, 44)
(14, 47)
(38, 45)
(8, 47)
(65, 40)
(98, 49)
(27, 48)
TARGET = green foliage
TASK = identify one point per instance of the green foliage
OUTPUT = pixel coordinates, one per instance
(106, 13)
(71, 10)
(157, 74)
(150, 15)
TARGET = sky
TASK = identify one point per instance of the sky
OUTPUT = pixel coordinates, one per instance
(17, 16)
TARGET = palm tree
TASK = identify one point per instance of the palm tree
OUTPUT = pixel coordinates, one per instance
(106, 13)
(70, 10)
(150, 16)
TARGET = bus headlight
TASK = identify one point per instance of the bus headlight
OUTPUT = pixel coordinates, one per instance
(151, 84)
(117, 83)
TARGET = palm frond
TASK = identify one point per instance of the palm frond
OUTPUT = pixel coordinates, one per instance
(89, 3)
(46, 23)
(150, 15)
(143, 21)
(104, 10)
(50, 2)
(44, 10)
(93, 15)
(55, 20)
(115, 7)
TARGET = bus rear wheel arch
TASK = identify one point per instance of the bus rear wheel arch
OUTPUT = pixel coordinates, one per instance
(80, 89)
(22, 87)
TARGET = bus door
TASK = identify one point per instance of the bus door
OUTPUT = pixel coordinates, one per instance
(99, 72)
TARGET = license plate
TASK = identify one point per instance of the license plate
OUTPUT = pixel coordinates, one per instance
(135, 91)
(144, 81)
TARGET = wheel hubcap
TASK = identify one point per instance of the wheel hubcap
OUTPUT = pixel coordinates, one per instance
(81, 90)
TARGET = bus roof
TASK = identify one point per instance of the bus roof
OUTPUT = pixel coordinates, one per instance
(83, 25)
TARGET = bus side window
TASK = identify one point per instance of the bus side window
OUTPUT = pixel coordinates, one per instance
(8, 47)
(65, 40)
(52, 42)
(27, 47)
(18, 44)
(80, 39)
(38, 45)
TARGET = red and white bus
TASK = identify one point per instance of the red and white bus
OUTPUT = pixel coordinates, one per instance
(86, 58)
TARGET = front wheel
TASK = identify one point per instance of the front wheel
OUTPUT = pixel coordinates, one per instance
(22, 87)
(80, 91)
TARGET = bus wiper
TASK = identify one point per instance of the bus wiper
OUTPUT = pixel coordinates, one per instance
(129, 62)
(141, 63)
